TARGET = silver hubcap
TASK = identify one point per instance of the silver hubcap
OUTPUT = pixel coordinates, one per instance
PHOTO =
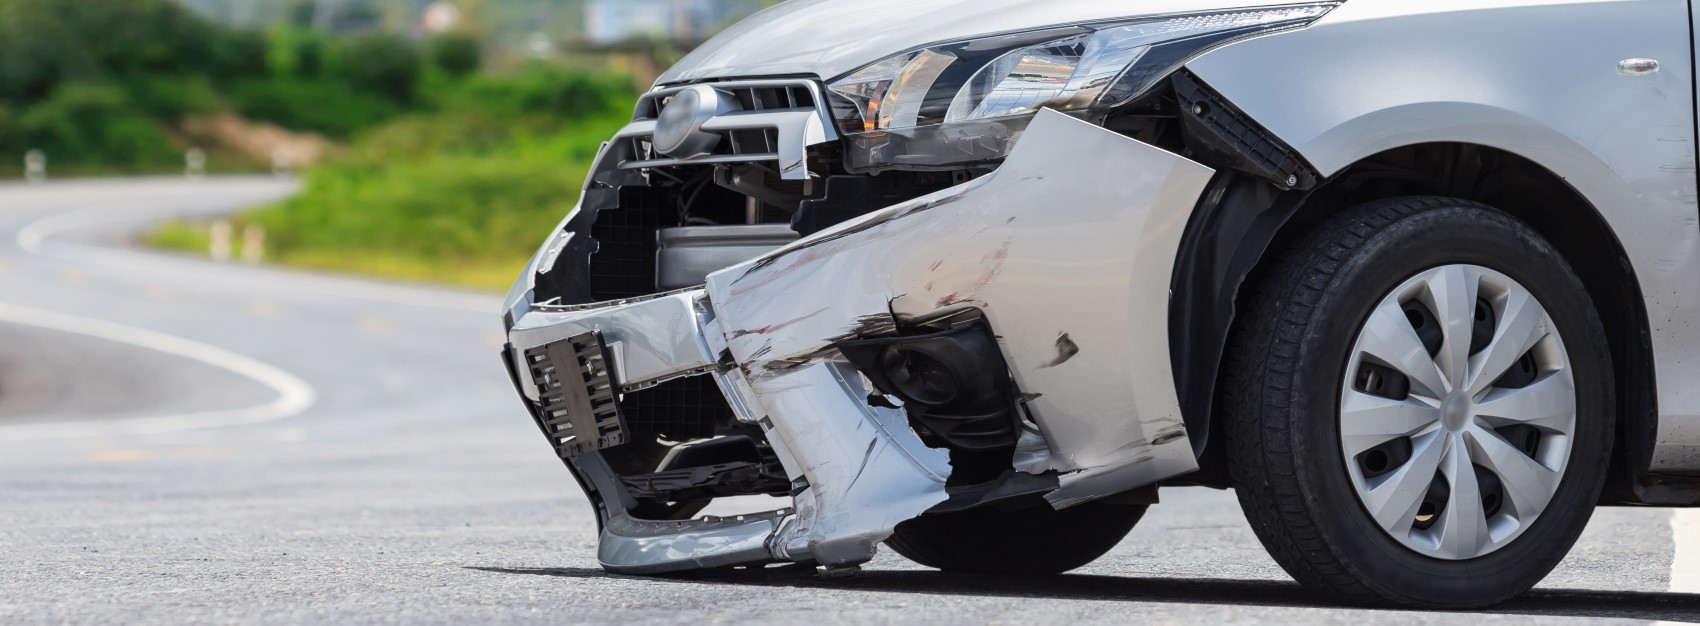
(1457, 412)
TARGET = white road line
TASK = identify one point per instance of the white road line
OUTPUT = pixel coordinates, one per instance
(1685, 562)
(36, 236)
(294, 394)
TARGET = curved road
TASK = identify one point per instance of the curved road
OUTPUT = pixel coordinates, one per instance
(182, 441)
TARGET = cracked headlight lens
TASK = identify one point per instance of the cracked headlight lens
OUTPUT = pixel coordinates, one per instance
(999, 78)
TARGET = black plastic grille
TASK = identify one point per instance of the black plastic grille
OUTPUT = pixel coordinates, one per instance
(624, 263)
(677, 410)
(750, 98)
(579, 412)
(750, 141)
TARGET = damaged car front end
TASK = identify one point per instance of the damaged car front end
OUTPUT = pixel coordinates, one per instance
(881, 290)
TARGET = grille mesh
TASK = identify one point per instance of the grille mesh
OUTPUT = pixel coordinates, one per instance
(624, 263)
(678, 410)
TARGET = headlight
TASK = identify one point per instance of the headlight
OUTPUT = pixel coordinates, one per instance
(975, 95)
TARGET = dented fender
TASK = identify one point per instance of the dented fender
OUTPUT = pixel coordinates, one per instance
(1067, 250)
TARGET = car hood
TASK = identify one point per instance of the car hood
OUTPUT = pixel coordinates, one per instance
(829, 38)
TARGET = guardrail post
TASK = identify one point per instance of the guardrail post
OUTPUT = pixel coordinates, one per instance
(281, 164)
(218, 246)
(195, 163)
(253, 244)
(35, 166)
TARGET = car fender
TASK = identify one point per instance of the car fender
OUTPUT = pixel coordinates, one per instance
(1539, 80)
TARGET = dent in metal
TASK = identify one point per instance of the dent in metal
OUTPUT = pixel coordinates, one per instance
(1076, 233)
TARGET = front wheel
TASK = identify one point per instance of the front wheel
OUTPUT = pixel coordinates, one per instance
(1419, 406)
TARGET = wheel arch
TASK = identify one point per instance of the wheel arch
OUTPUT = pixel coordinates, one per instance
(1242, 223)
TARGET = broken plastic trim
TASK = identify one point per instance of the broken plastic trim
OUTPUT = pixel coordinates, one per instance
(953, 383)
(1228, 138)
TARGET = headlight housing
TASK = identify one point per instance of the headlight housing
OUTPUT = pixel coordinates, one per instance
(966, 101)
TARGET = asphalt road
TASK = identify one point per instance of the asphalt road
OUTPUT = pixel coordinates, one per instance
(188, 442)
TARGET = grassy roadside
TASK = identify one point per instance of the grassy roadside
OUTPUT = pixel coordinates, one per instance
(457, 199)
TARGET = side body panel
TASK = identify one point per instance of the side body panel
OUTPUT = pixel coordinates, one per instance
(1538, 80)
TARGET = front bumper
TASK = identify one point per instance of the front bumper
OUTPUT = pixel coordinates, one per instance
(1067, 252)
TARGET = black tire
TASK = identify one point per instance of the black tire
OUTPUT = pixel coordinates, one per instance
(1284, 377)
(1037, 541)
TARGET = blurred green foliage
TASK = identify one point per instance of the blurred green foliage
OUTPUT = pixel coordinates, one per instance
(319, 105)
(462, 197)
(456, 54)
(102, 85)
(449, 174)
(388, 65)
(96, 125)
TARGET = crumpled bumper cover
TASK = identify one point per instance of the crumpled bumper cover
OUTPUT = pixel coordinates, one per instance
(1067, 251)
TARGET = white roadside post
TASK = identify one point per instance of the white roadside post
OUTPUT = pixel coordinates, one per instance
(219, 246)
(253, 244)
(195, 163)
(35, 167)
(281, 163)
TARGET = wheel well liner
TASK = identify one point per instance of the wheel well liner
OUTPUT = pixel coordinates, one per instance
(1242, 222)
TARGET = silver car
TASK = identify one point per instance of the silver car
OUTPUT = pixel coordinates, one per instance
(1420, 281)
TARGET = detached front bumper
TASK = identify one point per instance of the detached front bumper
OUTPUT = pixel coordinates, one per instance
(1066, 251)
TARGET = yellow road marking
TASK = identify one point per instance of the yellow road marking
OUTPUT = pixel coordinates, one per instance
(111, 456)
(376, 325)
(201, 453)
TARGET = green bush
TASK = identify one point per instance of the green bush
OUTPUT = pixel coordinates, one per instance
(452, 207)
(169, 97)
(317, 105)
(296, 52)
(181, 236)
(420, 136)
(39, 52)
(461, 198)
(456, 54)
(540, 88)
(10, 134)
(95, 125)
(145, 36)
(239, 54)
(384, 64)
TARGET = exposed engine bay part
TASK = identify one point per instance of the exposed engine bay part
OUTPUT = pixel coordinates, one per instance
(687, 254)
(642, 190)
(724, 466)
(850, 197)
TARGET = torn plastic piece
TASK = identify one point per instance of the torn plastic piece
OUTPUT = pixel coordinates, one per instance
(1226, 137)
